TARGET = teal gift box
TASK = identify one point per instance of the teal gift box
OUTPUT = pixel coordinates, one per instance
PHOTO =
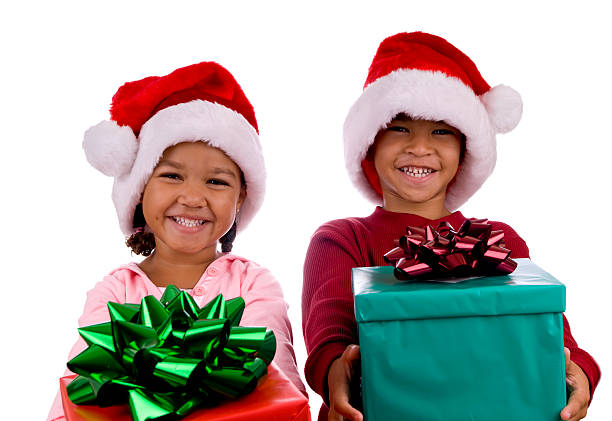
(484, 349)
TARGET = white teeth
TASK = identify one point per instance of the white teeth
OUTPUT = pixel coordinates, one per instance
(418, 172)
(186, 222)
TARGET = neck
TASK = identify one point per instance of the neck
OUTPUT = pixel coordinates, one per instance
(431, 209)
(165, 267)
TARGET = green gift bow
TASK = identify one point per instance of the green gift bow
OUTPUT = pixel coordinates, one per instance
(169, 356)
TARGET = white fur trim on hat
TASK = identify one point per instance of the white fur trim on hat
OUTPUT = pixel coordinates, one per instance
(427, 95)
(110, 148)
(193, 121)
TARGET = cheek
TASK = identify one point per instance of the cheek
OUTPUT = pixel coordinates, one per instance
(225, 205)
(384, 153)
(454, 160)
(148, 210)
(152, 203)
(452, 153)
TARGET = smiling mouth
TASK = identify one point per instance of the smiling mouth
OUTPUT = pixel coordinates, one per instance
(188, 222)
(418, 172)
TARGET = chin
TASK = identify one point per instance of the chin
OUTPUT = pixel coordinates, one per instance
(418, 197)
(187, 249)
(190, 251)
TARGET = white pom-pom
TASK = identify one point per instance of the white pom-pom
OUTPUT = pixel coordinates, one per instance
(110, 148)
(504, 106)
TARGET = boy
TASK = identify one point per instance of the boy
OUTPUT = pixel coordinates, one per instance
(420, 141)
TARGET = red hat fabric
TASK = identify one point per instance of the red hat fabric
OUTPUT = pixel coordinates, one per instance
(135, 102)
(426, 77)
(423, 51)
(201, 102)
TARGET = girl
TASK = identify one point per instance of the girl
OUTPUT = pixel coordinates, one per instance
(189, 173)
(419, 141)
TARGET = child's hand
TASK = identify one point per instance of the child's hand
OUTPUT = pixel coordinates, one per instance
(338, 380)
(580, 393)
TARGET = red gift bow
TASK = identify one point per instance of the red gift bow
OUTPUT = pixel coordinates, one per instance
(475, 249)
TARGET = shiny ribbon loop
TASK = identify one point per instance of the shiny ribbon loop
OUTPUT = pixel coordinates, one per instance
(167, 357)
(428, 253)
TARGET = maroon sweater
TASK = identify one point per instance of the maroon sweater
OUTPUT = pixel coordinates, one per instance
(328, 318)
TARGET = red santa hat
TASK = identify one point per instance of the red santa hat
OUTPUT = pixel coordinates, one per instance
(426, 77)
(201, 102)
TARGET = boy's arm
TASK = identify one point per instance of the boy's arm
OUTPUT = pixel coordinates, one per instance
(584, 360)
(328, 319)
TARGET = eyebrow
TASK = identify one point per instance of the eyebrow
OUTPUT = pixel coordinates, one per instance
(178, 166)
(406, 117)
(169, 163)
(219, 170)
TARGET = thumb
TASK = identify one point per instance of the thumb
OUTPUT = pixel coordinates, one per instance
(352, 353)
(567, 359)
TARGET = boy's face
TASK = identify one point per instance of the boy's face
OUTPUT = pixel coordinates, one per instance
(415, 161)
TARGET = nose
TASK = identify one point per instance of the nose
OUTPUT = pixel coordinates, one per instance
(419, 144)
(192, 195)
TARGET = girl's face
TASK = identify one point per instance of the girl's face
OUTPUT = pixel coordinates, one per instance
(415, 161)
(192, 198)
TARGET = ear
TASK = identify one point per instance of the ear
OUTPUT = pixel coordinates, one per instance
(369, 170)
(241, 198)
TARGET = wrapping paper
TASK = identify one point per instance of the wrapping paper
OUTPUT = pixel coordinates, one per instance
(274, 399)
(487, 349)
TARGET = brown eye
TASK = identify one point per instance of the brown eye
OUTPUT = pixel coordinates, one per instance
(218, 182)
(399, 129)
(443, 131)
(170, 175)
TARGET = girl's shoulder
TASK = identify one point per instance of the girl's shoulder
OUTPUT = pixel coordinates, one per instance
(230, 262)
(252, 277)
(125, 282)
(126, 272)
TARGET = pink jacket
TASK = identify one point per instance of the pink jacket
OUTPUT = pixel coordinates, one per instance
(229, 275)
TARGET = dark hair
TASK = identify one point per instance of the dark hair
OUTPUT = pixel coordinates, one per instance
(140, 242)
(143, 243)
(227, 241)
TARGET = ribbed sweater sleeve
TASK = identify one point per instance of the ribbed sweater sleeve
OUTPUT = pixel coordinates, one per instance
(584, 360)
(328, 319)
(581, 357)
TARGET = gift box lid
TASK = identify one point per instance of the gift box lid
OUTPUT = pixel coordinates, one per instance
(379, 296)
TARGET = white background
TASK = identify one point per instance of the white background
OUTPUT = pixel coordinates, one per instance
(302, 66)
